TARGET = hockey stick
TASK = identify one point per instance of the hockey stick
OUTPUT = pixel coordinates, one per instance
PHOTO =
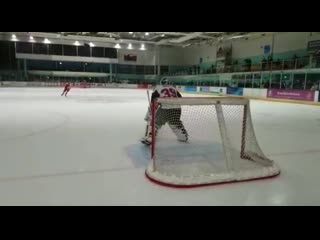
(149, 99)
(147, 127)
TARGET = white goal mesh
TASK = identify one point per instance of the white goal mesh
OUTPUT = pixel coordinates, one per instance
(203, 141)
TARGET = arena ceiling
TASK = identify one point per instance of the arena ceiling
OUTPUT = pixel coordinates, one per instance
(181, 39)
(174, 39)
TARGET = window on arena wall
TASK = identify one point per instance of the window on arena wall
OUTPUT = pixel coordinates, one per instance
(233, 83)
(41, 65)
(98, 52)
(84, 51)
(55, 49)
(265, 80)
(224, 83)
(189, 83)
(126, 69)
(140, 69)
(204, 83)
(40, 48)
(114, 68)
(149, 70)
(276, 81)
(252, 81)
(110, 53)
(90, 67)
(8, 60)
(107, 68)
(313, 80)
(216, 82)
(256, 81)
(234, 77)
(48, 78)
(241, 81)
(164, 70)
(69, 50)
(132, 69)
(24, 47)
(299, 81)
(287, 81)
(73, 66)
(230, 83)
(121, 69)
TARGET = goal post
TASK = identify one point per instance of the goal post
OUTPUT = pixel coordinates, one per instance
(205, 141)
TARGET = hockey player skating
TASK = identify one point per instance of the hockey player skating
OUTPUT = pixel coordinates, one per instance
(66, 90)
(163, 116)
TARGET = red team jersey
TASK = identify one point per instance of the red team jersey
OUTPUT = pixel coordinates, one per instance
(67, 87)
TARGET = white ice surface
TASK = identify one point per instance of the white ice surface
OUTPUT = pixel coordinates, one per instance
(84, 150)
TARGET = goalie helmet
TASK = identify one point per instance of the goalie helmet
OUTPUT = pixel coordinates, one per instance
(164, 81)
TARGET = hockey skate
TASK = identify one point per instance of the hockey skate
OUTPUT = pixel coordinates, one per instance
(180, 132)
(185, 139)
(146, 140)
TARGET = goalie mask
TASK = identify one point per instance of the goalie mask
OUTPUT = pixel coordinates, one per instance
(164, 81)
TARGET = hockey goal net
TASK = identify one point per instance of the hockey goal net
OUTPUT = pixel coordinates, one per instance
(204, 141)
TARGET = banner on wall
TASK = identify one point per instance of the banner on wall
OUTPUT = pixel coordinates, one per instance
(235, 91)
(303, 95)
(267, 49)
(314, 45)
(204, 89)
(220, 52)
(13, 84)
(214, 90)
(218, 90)
(130, 58)
(190, 89)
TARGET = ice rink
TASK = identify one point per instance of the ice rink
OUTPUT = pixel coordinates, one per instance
(85, 150)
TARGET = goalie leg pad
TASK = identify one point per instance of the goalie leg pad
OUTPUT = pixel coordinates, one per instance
(180, 131)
